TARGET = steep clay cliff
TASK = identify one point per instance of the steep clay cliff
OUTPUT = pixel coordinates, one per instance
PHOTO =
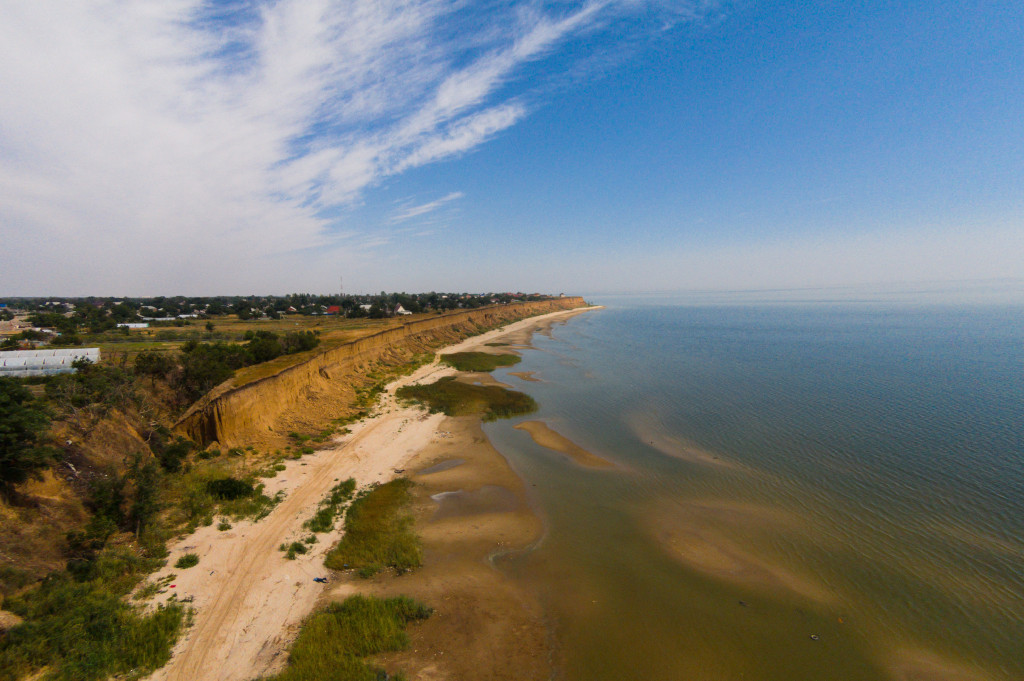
(307, 395)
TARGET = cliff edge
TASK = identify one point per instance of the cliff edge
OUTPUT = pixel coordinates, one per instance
(311, 393)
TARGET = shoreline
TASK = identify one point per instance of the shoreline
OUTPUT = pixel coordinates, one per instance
(249, 601)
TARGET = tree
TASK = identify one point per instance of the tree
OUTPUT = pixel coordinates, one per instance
(264, 346)
(154, 363)
(145, 501)
(23, 426)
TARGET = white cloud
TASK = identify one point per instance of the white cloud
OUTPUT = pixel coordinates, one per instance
(144, 146)
(410, 212)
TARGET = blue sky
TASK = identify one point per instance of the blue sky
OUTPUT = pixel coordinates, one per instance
(612, 145)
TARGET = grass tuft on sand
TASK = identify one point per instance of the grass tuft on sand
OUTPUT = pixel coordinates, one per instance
(331, 506)
(333, 642)
(378, 532)
(479, 361)
(454, 398)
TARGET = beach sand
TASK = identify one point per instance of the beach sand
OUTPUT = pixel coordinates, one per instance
(249, 601)
(484, 625)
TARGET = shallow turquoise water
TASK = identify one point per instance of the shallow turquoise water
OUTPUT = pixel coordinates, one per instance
(805, 491)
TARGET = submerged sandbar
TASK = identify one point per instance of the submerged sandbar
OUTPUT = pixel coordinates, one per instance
(543, 435)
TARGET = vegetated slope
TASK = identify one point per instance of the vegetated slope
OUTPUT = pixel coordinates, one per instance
(103, 419)
(305, 396)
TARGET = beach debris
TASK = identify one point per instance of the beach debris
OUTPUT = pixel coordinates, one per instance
(814, 637)
(320, 580)
(399, 470)
(743, 603)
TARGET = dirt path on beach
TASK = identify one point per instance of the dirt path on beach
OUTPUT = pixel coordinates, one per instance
(249, 600)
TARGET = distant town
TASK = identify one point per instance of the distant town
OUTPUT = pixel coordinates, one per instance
(29, 323)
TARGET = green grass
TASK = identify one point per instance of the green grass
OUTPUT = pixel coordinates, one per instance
(85, 630)
(378, 532)
(12, 579)
(333, 642)
(479, 361)
(294, 549)
(330, 507)
(187, 561)
(204, 491)
(455, 398)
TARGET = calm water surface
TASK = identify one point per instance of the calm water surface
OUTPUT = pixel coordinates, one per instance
(807, 491)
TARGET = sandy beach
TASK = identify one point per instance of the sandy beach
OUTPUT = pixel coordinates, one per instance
(249, 600)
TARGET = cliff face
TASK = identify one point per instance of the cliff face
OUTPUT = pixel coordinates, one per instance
(254, 411)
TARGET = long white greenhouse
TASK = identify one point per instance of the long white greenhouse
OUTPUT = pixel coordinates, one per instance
(44, 362)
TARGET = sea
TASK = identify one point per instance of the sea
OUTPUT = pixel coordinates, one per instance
(803, 489)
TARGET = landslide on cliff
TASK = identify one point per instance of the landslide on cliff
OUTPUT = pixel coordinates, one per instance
(306, 396)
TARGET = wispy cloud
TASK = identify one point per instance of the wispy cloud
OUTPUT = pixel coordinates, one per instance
(144, 144)
(410, 212)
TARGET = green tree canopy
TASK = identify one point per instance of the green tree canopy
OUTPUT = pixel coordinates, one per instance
(23, 426)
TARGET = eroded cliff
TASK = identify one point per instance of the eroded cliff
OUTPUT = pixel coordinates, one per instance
(308, 395)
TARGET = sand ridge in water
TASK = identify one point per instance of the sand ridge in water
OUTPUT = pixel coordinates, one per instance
(525, 376)
(919, 665)
(548, 438)
(649, 431)
(704, 537)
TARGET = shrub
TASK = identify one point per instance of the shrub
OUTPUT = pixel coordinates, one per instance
(229, 489)
(171, 456)
(187, 561)
(83, 630)
(295, 548)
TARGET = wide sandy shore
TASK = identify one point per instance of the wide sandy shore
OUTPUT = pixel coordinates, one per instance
(249, 600)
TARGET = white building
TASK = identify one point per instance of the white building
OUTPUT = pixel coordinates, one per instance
(44, 362)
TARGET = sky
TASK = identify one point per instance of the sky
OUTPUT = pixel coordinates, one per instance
(189, 147)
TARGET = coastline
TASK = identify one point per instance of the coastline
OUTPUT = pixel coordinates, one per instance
(249, 601)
